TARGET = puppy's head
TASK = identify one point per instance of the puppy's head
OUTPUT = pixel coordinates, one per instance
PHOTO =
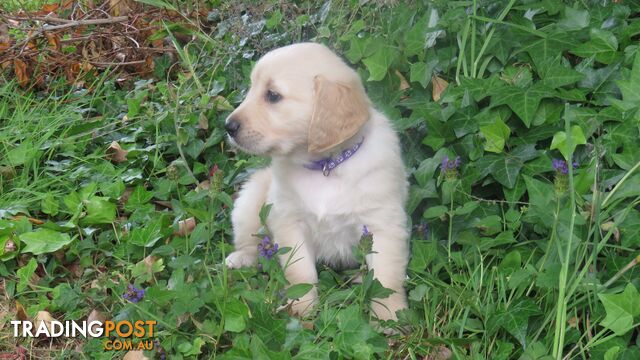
(302, 98)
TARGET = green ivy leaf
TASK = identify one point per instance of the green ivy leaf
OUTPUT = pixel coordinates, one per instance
(49, 204)
(544, 51)
(434, 212)
(44, 241)
(298, 290)
(235, 315)
(99, 211)
(25, 273)
(514, 319)
(146, 235)
(630, 87)
(621, 309)
(139, 196)
(510, 263)
(421, 72)
(495, 135)
(378, 64)
(524, 102)
(560, 141)
(603, 45)
(574, 19)
(558, 75)
(504, 168)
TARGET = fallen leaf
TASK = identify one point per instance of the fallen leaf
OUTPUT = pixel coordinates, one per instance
(439, 353)
(49, 8)
(203, 185)
(185, 227)
(148, 263)
(44, 316)
(31, 220)
(203, 122)
(404, 85)
(135, 355)
(164, 204)
(611, 225)
(438, 85)
(96, 315)
(53, 40)
(7, 172)
(125, 196)
(20, 68)
(115, 153)
(20, 313)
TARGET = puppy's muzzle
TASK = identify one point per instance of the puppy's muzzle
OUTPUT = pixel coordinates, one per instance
(232, 126)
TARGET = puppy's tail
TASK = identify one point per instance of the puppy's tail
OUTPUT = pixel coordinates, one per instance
(245, 216)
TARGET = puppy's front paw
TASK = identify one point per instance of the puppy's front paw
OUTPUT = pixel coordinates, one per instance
(385, 309)
(239, 259)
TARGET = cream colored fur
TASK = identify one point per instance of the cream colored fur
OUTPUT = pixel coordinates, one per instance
(323, 110)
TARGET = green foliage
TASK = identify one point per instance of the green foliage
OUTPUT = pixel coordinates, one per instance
(511, 257)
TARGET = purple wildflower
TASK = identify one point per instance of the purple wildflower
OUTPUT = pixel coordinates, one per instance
(450, 167)
(560, 166)
(266, 248)
(451, 164)
(365, 230)
(160, 350)
(133, 294)
(422, 229)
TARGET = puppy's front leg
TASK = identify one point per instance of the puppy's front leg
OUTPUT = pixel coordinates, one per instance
(299, 265)
(389, 264)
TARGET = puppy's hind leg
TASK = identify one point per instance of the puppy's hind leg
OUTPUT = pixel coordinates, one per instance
(246, 221)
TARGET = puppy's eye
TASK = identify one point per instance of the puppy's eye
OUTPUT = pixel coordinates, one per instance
(272, 96)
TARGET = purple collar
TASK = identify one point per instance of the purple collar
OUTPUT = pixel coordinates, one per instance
(326, 165)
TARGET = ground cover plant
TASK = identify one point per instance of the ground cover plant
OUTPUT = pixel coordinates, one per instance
(520, 126)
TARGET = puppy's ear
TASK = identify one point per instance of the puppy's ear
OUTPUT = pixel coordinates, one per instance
(339, 111)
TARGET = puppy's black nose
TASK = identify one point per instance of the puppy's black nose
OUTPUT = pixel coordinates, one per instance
(232, 126)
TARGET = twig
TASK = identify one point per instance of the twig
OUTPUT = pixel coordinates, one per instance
(111, 20)
(117, 63)
(615, 277)
(39, 32)
(40, 18)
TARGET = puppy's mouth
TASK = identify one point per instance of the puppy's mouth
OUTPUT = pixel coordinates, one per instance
(250, 144)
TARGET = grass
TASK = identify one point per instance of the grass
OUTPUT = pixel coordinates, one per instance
(512, 256)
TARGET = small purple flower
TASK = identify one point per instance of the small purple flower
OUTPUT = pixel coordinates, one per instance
(450, 164)
(266, 248)
(422, 229)
(560, 166)
(133, 294)
(365, 230)
(450, 167)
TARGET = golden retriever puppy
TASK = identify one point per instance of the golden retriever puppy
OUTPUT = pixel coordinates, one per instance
(336, 168)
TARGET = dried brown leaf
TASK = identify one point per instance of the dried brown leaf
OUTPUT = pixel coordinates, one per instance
(439, 353)
(53, 40)
(20, 68)
(204, 185)
(185, 227)
(49, 8)
(96, 315)
(438, 85)
(115, 153)
(20, 313)
(404, 84)
(203, 122)
(44, 316)
(607, 226)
